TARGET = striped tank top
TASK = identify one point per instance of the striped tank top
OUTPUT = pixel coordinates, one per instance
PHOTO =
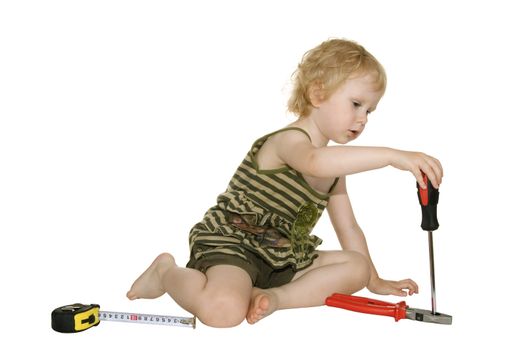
(269, 212)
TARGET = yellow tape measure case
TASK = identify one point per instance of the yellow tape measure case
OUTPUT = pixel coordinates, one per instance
(75, 317)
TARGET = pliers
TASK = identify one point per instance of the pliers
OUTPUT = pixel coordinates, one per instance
(398, 311)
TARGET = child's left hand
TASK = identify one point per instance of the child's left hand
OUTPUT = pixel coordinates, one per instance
(385, 287)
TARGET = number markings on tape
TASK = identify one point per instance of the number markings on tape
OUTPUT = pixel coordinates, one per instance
(147, 318)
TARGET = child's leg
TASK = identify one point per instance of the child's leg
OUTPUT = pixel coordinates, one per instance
(219, 298)
(332, 272)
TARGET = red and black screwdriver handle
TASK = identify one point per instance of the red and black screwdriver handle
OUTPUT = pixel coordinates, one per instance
(428, 198)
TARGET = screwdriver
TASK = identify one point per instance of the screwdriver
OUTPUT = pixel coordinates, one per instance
(428, 199)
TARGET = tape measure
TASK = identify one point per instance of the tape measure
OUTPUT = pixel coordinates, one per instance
(78, 317)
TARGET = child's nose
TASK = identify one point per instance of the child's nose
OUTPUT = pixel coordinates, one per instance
(363, 119)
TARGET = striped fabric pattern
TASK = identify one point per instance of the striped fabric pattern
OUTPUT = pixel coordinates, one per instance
(269, 212)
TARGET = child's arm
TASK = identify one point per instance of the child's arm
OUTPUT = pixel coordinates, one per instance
(351, 237)
(294, 149)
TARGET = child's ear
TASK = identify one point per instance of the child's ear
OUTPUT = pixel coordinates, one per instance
(316, 94)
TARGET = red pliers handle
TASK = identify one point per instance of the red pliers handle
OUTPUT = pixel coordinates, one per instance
(368, 306)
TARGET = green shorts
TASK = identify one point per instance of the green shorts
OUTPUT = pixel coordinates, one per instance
(262, 274)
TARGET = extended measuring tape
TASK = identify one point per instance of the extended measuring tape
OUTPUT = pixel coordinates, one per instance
(79, 317)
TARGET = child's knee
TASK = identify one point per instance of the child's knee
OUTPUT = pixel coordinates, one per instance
(361, 268)
(223, 310)
(365, 270)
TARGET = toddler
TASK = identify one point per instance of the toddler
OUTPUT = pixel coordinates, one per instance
(253, 253)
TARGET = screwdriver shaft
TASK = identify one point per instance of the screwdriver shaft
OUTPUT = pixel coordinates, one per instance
(432, 270)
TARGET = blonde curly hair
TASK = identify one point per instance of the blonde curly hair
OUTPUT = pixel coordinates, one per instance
(328, 66)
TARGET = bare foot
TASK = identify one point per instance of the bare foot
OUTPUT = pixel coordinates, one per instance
(263, 303)
(148, 285)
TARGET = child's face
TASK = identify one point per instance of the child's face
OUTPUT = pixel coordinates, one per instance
(343, 116)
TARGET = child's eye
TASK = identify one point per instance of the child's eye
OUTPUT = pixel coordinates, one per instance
(356, 104)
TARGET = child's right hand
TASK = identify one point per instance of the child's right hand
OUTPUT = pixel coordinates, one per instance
(417, 163)
(399, 288)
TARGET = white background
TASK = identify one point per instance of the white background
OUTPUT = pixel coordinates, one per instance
(121, 121)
